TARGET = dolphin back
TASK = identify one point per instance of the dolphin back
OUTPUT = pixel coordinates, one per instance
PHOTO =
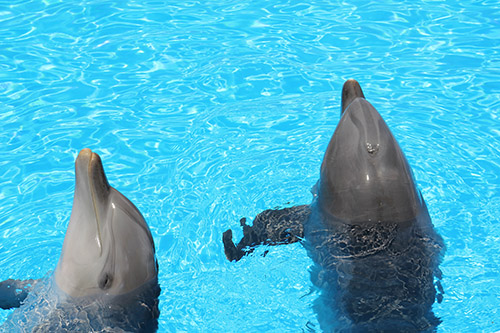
(377, 276)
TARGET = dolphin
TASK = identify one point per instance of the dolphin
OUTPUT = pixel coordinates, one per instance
(107, 275)
(368, 230)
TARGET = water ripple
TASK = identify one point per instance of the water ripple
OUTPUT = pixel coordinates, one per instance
(207, 112)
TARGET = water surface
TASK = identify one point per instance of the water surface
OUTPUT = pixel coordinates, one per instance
(205, 112)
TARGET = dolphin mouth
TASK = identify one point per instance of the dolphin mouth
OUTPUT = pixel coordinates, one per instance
(90, 174)
(93, 196)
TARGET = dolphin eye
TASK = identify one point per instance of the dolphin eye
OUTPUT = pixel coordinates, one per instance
(105, 281)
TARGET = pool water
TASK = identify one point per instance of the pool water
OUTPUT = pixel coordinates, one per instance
(206, 112)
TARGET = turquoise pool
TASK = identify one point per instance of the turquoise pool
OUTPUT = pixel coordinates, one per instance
(208, 111)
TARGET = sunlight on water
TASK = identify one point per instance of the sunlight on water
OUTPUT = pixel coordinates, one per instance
(204, 113)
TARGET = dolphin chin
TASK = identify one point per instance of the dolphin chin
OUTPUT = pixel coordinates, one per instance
(368, 231)
(106, 277)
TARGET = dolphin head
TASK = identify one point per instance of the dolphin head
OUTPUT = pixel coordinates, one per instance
(365, 176)
(108, 247)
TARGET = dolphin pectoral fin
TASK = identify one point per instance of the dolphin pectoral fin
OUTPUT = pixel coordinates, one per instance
(271, 227)
(232, 253)
(13, 292)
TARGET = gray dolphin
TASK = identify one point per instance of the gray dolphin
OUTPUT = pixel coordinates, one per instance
(367, 230)
(365, 175)
(106, 278)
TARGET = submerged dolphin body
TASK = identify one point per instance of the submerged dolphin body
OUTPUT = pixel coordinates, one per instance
(106, 278)
(368, 230)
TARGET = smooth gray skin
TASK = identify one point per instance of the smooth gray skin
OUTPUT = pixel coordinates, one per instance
(106, 278)
(108, 246)
(350, 91)
(365, 175)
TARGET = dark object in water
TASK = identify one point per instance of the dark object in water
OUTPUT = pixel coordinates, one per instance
(368, 230)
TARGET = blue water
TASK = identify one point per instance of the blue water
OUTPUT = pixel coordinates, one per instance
(205, 112)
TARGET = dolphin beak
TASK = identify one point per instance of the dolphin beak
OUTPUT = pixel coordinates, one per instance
(92, 183)
(350, 91)
(90, 163)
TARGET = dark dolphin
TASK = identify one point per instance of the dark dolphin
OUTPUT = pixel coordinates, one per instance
(368, 230)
